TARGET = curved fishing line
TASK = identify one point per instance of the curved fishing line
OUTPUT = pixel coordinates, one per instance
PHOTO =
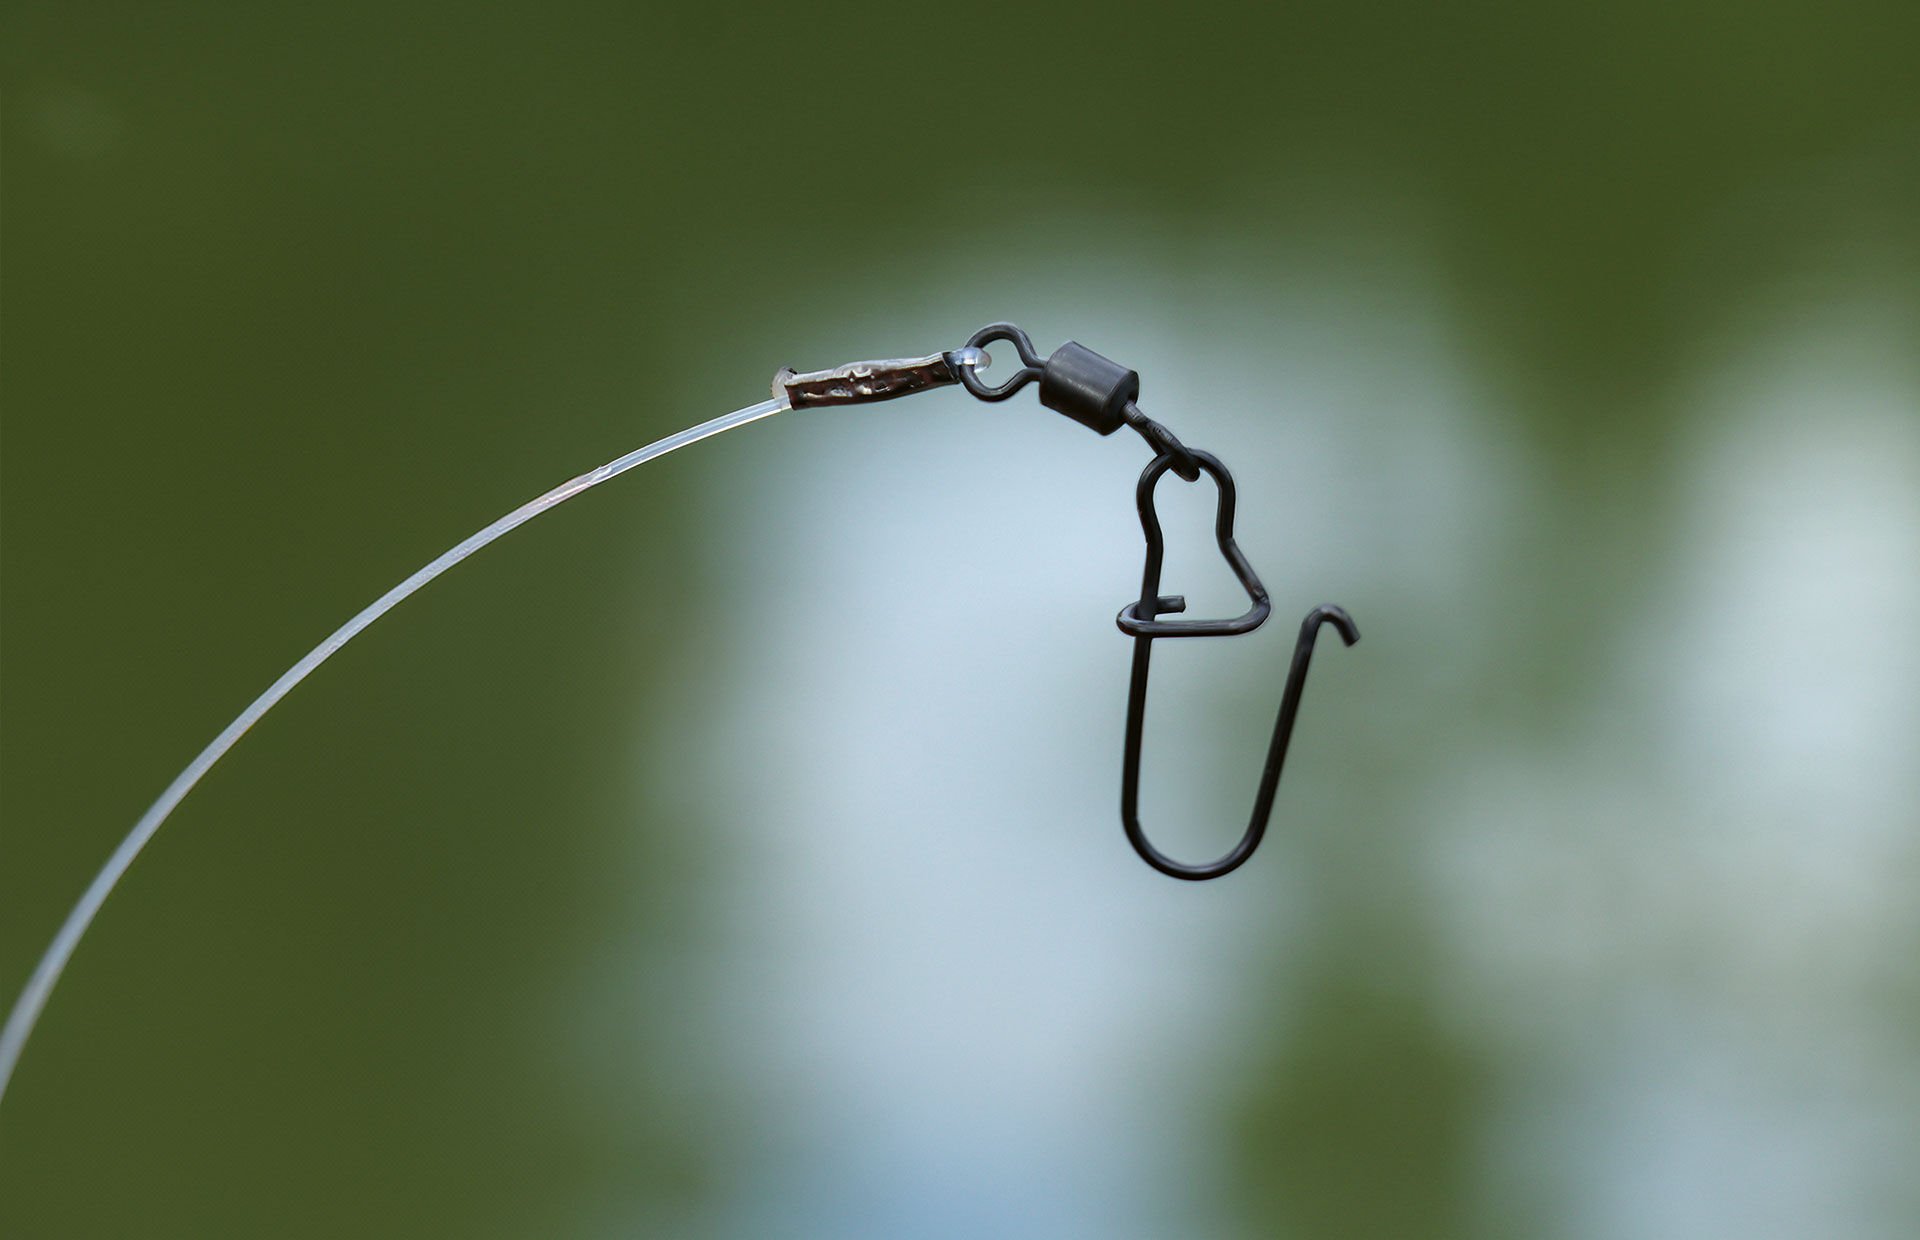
(27, 1008)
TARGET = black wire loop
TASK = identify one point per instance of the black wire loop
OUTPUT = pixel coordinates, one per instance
(1141, 620)
(1032, 365)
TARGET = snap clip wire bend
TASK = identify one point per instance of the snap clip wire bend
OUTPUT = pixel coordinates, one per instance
(1141, 620)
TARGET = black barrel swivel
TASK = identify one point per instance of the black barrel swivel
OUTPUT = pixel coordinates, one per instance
(1095, 391)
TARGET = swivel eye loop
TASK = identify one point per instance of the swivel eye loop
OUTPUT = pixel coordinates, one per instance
(1032, 365)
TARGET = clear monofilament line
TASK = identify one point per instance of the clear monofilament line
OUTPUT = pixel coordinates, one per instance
(26, 1009)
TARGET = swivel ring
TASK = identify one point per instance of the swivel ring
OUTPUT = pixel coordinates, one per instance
(1031, 363)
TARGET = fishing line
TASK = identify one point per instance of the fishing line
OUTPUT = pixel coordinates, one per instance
(27, 1008)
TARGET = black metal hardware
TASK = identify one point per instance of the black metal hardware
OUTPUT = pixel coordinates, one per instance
(1140, 619)
(1031, 367)
(1093, 390)
(1101, 395)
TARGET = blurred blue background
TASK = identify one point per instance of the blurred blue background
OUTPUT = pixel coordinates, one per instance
(735, 851)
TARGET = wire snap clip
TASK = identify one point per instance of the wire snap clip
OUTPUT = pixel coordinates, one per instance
(1141, 621)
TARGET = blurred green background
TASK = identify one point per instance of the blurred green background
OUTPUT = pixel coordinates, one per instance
(733, 852)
